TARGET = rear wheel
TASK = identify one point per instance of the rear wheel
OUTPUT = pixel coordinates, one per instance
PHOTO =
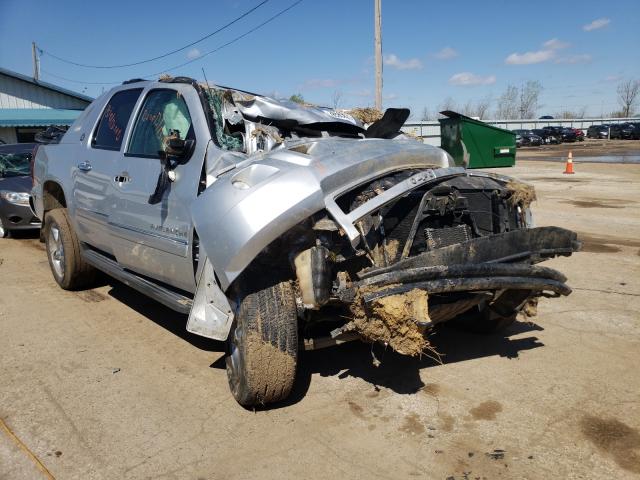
(63, 251)
(263, 346)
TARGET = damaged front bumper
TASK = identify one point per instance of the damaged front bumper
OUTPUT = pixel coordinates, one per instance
(487, 264)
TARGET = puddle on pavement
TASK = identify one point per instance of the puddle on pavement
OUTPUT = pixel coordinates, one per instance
(486, 410)
(614, 438)
(598, 244)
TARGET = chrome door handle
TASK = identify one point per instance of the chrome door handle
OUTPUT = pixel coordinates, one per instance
(84, 166)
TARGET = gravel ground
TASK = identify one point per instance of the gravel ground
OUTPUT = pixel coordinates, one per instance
(105, 384)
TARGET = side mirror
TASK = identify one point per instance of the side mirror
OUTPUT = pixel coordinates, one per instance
(178, 148)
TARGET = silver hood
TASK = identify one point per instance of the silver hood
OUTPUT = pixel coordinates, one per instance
(263, 197)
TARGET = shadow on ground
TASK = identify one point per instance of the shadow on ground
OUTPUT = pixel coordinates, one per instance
(396, 372)
(172, 321)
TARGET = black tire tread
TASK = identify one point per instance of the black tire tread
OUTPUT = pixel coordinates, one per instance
(268, 318)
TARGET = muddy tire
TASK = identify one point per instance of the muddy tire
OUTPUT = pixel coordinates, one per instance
(495, 317)
(69, 269)
(263, 346)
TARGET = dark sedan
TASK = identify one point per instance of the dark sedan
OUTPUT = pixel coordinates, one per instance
(529, 138)
(622, 131)
(598, 131)
(546, 136)
(15, 188)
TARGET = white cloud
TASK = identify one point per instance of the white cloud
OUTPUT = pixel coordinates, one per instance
(555, 44)
(529, 58)
(467, 79)
(612, 78)
(596, 24)
(411, 64)
(446, 53)
(193, 53)
(573, 59)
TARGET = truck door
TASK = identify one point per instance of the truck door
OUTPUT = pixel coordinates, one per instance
(96, 167)
(155, 239)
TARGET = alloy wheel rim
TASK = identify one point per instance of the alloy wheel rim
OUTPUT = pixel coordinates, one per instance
(2, 230)
(56, 250)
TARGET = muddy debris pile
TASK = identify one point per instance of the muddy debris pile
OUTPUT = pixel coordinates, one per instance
(394, 320)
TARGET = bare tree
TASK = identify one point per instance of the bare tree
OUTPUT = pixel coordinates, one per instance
(508, 104)
(529, 95)
(337, 99)
(571, 114)
(482, 107)
(426, 115)
(468, 109)
(448, 104)
(627, 96)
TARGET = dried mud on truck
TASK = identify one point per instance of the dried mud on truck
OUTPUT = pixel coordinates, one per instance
(278, 227)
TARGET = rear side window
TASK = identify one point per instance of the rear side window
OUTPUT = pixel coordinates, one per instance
(163, 113)
(113, 122)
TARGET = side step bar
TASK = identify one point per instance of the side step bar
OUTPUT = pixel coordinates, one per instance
(169, 298)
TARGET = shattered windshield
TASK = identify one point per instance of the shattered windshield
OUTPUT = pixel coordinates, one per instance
(248, 122)
(15, 164)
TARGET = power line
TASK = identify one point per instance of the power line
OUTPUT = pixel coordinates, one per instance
(230, 42)
(270, 19)
(77, 64)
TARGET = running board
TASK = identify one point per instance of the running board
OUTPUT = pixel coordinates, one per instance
(168, 298)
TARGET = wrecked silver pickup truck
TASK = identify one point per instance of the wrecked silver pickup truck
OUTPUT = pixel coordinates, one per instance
(265, 220)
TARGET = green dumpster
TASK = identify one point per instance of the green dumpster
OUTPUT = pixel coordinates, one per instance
(475, 144)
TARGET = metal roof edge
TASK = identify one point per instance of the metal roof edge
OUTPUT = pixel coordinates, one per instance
(47, 85)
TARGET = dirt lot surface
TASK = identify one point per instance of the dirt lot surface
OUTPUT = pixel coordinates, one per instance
(105, 384)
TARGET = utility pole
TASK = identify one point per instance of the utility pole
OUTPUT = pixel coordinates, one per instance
(36, 61)
(378, 52)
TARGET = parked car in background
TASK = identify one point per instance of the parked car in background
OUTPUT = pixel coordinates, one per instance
(565, 134)
(518, 140)
(636, 131)
(546, 136)
(15, 188)
(546, 117)
(555, 131)
(622, 131)
(529, 139)
(579, 134)
(568, 135)
(598, 131)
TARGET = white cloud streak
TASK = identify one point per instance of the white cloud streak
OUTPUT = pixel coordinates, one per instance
(596, 24)
(468, 79)
(529, 58)
(555, 44)
(393, 61)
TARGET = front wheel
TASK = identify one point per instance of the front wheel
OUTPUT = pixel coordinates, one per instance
(69, 269)
(263, 346)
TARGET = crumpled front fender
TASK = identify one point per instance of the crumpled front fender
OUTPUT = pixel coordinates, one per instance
(234, 225)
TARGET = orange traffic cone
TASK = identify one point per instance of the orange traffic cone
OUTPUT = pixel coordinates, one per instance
(569, 165)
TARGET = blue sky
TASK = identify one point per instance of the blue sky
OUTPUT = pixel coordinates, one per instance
(466, 50)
